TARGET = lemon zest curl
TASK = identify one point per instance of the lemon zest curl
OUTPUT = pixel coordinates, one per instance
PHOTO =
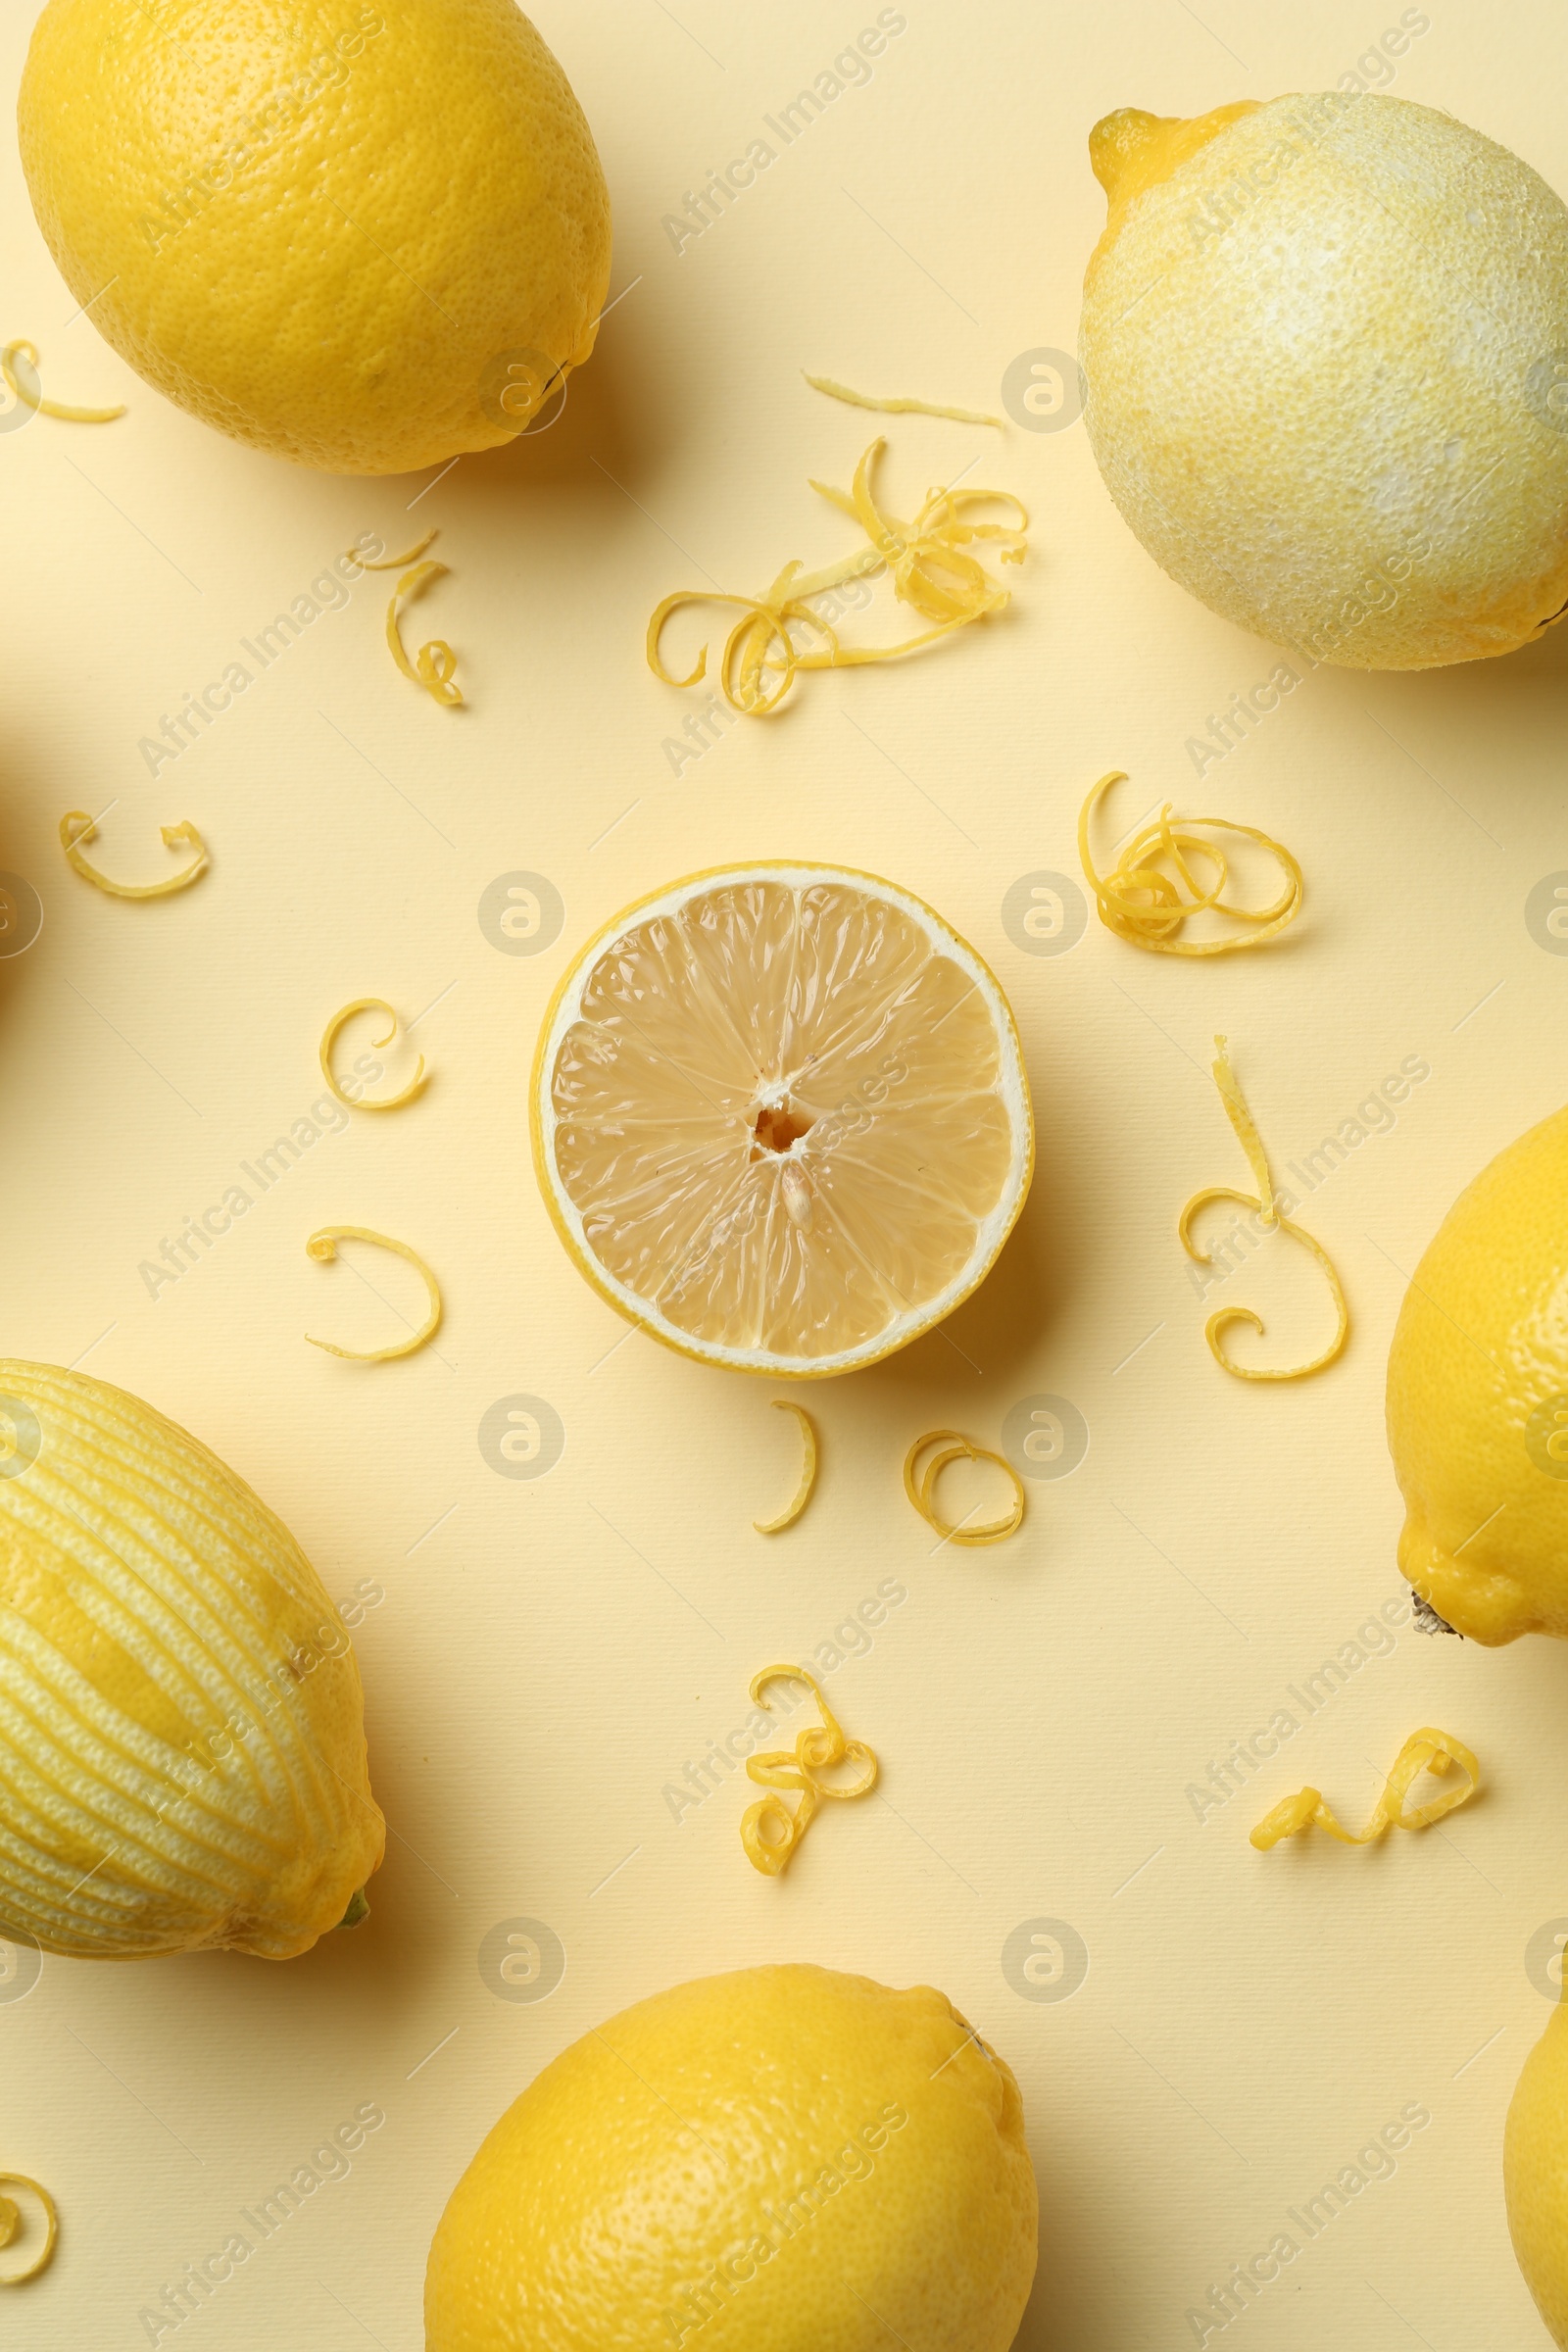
(28, 353)
(329, 1036)
(322, 1247)
(954, 1446)
(803, 1492)
(10, 2220)
(928, 559)
(1264, 1202)
(1145, 905)
(1426, 1751)
(769, 1831)
(435, 665)
(77, 827)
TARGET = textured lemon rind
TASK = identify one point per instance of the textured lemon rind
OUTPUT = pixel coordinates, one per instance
(1319, 362)
(182, 1759)
(323, 230)
(868, 2136)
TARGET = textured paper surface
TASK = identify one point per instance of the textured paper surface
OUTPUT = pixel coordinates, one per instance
(551, 1653)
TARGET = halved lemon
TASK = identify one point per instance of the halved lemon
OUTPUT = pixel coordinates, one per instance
(780, 1117)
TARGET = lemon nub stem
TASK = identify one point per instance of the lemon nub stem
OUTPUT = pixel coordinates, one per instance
(1131, 150)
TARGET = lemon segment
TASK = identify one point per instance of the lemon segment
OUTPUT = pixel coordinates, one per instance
(182, 1759)
(780, 1117)
(759, 2162)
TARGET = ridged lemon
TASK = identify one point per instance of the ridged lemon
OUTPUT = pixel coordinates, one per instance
(183, 1758)
(1535, 2174)
(365, 237)
(1477, 1399)
(1326, 348)
(780, 1117)
(781, 2160)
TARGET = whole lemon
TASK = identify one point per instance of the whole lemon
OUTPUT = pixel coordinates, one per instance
(785, 2160)
(1535, 2174)
(1326, 348)
(1477, 1399)
(366, 237)
(181, 1724)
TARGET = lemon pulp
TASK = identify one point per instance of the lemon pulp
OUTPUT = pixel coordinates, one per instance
(781, 1117)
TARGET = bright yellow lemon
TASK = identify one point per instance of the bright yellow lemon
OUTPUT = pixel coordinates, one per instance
(1535, 2174)
(1477, 1399)
(778, 2159)
(366, 234)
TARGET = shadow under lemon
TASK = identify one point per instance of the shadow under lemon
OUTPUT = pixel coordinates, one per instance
(597, 422)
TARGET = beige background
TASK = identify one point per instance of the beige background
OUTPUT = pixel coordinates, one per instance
(548, 1655)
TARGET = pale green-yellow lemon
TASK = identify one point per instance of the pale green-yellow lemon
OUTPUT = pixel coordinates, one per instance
(182, 1760)
(1325, 342)
(1477, 1399)
(781, 2160)
(364, 234)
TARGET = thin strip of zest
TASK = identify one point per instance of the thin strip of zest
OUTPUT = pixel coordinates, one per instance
(803, 1492)
(435, 665)
(10, 2220)
(920, 1487)
(769, 1831)
(1426, 1751)
(412, 555)
(77, 828)
(899, 408)
(1241, 1120)
(926, 560)
(27, 354)
(329, 1037)
(1145, 905)
(1223, 1317)
(1246, 1127)
(322, 1247)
